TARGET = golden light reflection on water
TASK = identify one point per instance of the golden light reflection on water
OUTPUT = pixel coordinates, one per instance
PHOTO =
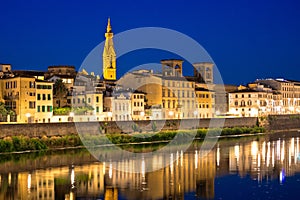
(189, 172)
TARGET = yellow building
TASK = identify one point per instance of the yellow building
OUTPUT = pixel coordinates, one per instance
(145, 81)
(19, 95)
(26, 96)
(137, 106)
(205, 103)
(44, 101)
(109, 55)
(178, 94)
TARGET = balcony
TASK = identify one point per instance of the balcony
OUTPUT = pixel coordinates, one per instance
(11, 97)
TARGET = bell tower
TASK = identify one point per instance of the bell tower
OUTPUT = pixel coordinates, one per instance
(109, 55)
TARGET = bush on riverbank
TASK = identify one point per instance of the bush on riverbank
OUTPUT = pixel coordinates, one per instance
(22, 143)
(94, 140)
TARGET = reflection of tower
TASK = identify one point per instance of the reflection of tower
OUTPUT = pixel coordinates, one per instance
(204, 72)
(172, 67)
(111, 193)
(205, 176)
(109, 55)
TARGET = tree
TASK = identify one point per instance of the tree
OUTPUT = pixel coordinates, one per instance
(60, 91)
(4, 111)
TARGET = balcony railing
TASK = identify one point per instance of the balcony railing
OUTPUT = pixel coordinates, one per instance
(11, 97)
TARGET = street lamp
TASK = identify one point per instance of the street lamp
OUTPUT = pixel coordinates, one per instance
(71, 115)
(109, 114)
(171, 113)
(28, 116)
(142, 114)
(195, 114)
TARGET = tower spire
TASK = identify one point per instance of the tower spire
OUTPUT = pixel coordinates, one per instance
(108, 28)
(109, 55)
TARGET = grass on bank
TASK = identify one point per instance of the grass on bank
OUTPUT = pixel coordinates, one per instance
(23, 143)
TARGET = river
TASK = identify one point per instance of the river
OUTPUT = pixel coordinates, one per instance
(264, 167)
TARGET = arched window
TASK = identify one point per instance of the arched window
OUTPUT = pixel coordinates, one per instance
(249, 103)
(243, 103)
(236, 103)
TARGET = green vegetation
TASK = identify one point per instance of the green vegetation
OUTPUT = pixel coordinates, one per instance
(62, 111)
(76, 110)
(4, 111)
(94, 140)
(22, 143)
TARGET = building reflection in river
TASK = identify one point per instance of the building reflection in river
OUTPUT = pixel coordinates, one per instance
(263, 160)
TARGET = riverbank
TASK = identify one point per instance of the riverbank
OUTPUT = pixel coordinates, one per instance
(25, 143)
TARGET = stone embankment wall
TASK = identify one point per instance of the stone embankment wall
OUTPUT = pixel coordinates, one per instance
(60, 129)
(283, 122)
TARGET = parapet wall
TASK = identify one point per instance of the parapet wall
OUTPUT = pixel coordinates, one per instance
(60, 129)
(283, 122)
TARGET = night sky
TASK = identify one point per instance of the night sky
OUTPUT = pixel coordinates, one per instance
(246, 39)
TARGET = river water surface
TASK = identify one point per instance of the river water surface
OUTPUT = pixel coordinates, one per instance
(265, 167)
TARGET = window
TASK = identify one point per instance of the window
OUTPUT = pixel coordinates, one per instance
(236, 96)
(243, 103)
(31, 104)
(236, 103)
(31, 84)
(43, 108)
(249, 102)
(97, 99)
(38, 108)
(49, 96)
(38, 96)
(78, 100)
(89, 100)
(49, 108)
(97, 109)
(44, 96)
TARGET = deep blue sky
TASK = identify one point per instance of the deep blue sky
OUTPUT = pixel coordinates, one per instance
(246, 39)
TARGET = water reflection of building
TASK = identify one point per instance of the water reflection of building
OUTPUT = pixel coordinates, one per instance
(189, 173)
(266, 159)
